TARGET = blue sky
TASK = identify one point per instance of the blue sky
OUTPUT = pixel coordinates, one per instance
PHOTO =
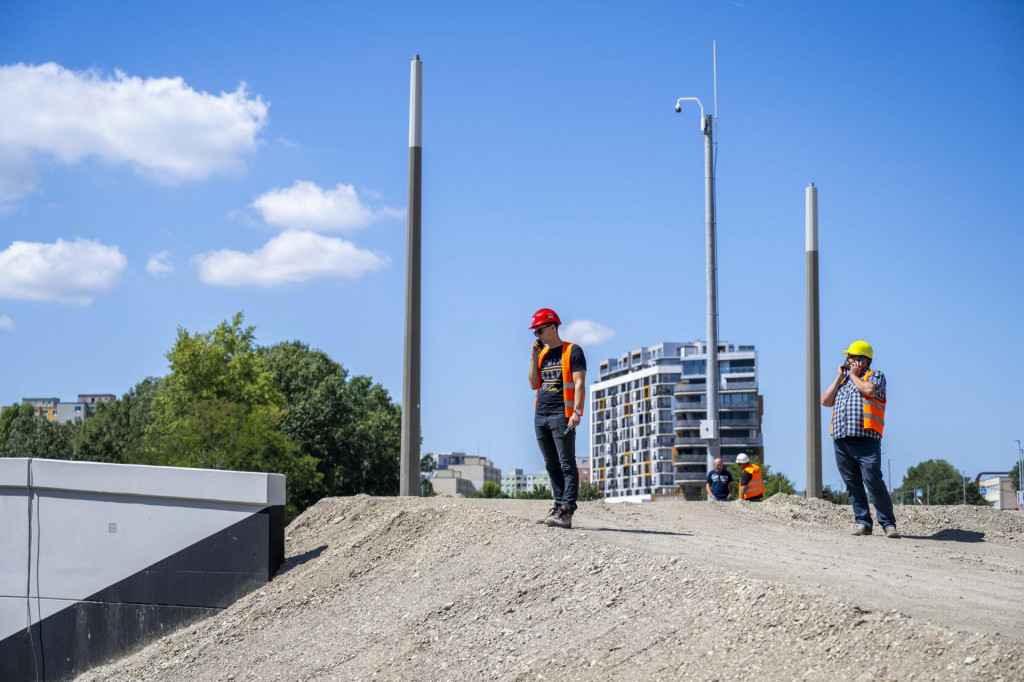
(141, 190)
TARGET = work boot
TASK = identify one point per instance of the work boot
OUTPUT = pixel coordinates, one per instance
(891, 532)
(861, 529)
(550, 514)
(561, 519)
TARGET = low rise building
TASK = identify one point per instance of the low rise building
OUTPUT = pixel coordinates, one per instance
(583, 466)
(45, 407)
(451, 482)
(535, 481)
(514, 482)
(999, 491)
(52, 409)
(474, 470)
(72, 412)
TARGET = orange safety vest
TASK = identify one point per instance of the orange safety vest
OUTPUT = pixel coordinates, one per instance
(874, 411)
(568, 387)
(756, 485)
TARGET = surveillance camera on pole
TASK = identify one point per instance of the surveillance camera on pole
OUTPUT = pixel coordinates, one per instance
(709, 426)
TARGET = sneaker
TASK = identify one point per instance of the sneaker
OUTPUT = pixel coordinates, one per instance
(561, 519)
(550, 515)
(891, 532)
(861, 529)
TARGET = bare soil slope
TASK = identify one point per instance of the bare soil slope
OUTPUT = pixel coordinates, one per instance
(451, 589)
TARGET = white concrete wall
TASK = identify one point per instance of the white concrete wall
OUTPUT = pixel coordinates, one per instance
(93, 525)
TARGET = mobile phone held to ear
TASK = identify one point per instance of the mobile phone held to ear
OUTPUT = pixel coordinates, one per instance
(537, 344)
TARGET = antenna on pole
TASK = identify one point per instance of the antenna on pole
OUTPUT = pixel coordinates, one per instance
(714, 62)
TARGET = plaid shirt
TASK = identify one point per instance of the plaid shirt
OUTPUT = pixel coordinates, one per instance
(848, 412)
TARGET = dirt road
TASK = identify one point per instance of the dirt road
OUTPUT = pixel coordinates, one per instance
(452, 589)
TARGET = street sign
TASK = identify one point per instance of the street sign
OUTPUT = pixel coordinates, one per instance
(983, 490)
(918, 493)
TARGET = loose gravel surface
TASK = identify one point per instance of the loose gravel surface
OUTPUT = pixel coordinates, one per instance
(452, 589)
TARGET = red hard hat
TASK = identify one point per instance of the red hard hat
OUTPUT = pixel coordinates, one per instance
(544, 316)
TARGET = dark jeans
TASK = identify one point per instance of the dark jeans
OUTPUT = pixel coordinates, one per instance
(860, 464)
(559, 450)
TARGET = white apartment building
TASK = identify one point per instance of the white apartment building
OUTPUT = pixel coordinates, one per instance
(740, 409)
(632, 430)
(645, 412)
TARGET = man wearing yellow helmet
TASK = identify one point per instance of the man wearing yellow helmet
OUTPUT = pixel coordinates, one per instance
(857, 399)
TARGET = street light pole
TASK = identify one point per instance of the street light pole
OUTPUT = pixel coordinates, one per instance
(709, 426)
(711, 284)
(409, 462)
(813, 347)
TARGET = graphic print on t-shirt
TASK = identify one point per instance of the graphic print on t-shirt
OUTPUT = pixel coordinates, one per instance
(550, 399)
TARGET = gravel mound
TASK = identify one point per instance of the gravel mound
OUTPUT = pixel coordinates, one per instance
(967, 523)
(438, 589)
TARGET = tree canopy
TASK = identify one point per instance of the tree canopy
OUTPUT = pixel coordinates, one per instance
(228, 403)
(943, 483)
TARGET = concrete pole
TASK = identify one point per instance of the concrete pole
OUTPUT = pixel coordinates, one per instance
(409, 476)
(711, 274)
(813, 349)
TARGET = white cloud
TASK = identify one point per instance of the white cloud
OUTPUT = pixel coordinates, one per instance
(586, 332)
(67, 272)
(6, 323)
(306, 206)
(160, 264)
(161, 126)
(291, 256)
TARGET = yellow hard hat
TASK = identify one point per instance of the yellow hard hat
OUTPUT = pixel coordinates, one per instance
(860, 348)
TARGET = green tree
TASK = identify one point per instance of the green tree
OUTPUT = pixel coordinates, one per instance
(944, 483)
(427, 466)
(835, 495)
(588, 491)
(219, 408)
(349, 424)
(490, 489)
(1015, 476)
(117, 432)
(25, 434)
(541, 492)
(774, 482)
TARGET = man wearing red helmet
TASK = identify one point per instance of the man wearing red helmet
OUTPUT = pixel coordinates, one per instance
(558, 372)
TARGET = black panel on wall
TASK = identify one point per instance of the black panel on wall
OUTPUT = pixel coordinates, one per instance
(213, 572)
(191, 584)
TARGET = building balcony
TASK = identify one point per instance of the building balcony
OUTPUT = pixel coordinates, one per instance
(691, 459)
(690, 477)
(690, 408)
(723, 439)
(740, 386)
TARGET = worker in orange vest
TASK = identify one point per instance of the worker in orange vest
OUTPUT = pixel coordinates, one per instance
(751, 483)
(857, 399)
(558, 373)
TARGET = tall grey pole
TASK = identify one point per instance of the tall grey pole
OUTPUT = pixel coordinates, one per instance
(711, 274)
(409, 476)
(813, 350)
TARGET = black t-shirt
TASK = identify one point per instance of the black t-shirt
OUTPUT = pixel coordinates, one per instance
(719, 482)
(550, 399)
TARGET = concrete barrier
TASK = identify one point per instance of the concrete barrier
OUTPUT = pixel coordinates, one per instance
(98, 559)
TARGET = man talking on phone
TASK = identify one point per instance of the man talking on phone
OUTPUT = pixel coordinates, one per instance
(857, 399)
(558, 373)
